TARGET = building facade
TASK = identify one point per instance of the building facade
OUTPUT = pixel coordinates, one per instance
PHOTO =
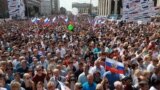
(45, 7)
(55, 4)
(107, 7)
(49, 7)
(82, 7)
(32, 7)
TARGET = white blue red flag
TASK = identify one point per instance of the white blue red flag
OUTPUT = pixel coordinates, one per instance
(114, 66)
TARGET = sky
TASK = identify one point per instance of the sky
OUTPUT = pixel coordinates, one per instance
(68, 3)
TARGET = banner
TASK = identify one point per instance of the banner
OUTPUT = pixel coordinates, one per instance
(16, 9)
(134, 10)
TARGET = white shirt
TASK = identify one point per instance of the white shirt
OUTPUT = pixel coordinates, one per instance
(15, 63)
(82, 78)
(2, 88)
(92, 70)
(44, 64)
(150, 68)
(153, 88)
(62, 52)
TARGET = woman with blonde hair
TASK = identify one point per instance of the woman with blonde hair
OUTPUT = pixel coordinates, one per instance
(105, 84)
(51, 86)
(99, 87)
(147, 75)
(135, 77)
(28, 84)
(78, 86)
(16, 86)
(40, 86)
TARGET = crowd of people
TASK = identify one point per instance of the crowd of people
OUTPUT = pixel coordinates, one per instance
(37, 57)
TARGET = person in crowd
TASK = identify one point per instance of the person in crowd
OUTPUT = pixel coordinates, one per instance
(35, 54)
(156, 85)
(34, 63)
(43, 62)
(17, 78)
(99, 87)
(97, 77)
(9, 74)
(16, 86)
(152, 65)
(105, 84)
(3, 83)
(52, 63)
(40, 75)
(40, 86)
(83, 76)
(79, 71)
(97, 67)
(78, 86)
(3, 67)
(23, 67)
(112, 77)
(143, 85)
(118, 85)
(71, 66)
(90, 84)
(28, 84)
(61, 69)
(51, 86)
(56, 78)
(127, 83)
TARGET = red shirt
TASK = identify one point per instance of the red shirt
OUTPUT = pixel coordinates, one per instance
(37, 78)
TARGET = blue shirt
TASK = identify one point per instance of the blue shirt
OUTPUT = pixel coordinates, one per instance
(112, 77)
(87, 86)
(82, 78)
(96, 50)
(7, 87)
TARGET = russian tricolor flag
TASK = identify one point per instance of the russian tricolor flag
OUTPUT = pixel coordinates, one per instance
(114, 66)
(46, 20)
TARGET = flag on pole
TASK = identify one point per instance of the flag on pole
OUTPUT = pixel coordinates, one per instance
(66, 20)
(114, 66)
(46, 20)
(34, 20)
(54, 19)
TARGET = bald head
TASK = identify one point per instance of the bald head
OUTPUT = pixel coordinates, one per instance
(90, 78)
(56, 72)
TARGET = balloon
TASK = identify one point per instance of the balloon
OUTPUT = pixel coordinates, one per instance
(74, 11)
(70, 27)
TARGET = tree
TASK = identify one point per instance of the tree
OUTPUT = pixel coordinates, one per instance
(62, 10)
